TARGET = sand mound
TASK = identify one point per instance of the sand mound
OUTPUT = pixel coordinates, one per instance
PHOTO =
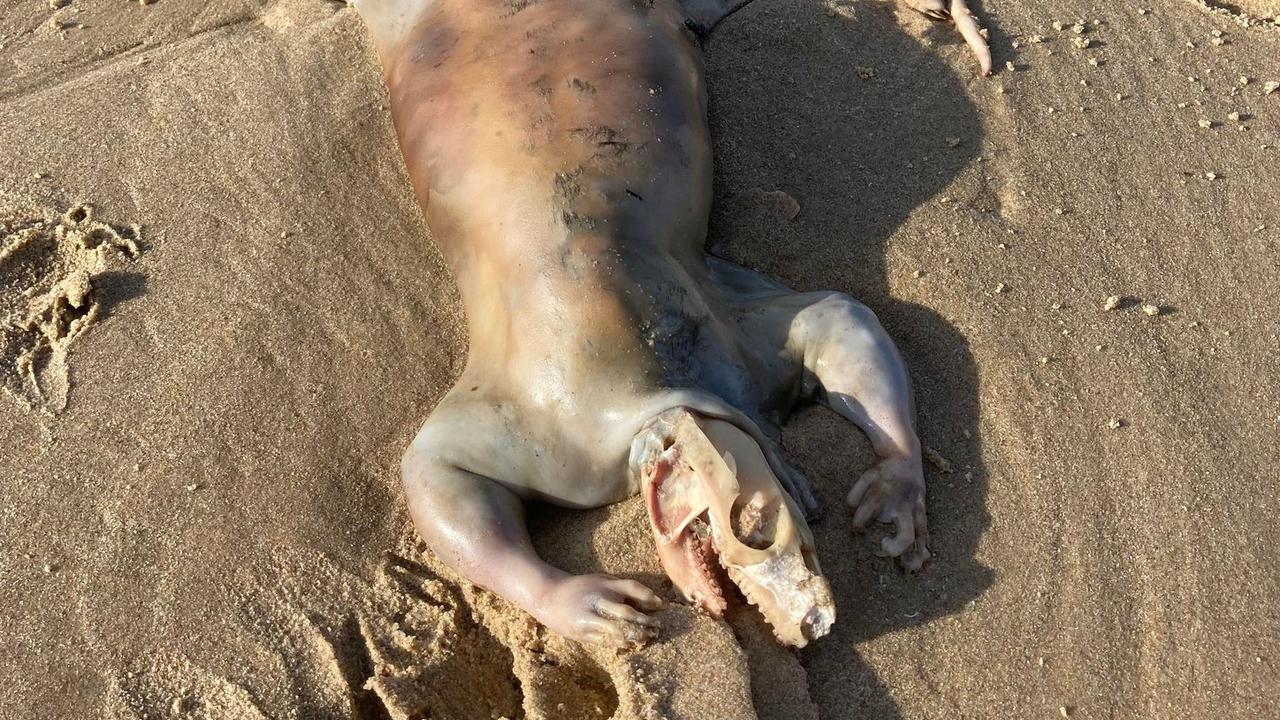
(408, 641)
(49, 265)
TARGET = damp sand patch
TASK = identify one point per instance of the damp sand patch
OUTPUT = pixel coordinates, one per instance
(50, 266)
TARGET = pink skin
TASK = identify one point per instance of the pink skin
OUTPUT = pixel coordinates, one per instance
(561, 155)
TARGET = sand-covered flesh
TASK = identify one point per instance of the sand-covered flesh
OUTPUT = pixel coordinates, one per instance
(199, 504)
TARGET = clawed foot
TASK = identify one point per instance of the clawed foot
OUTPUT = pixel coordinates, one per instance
(893, 492)
(958, 12)
(601, 610)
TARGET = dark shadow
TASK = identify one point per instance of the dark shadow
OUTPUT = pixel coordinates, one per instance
(861, 124)
(112, 289)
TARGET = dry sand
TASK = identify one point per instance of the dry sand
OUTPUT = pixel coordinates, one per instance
(200, 513)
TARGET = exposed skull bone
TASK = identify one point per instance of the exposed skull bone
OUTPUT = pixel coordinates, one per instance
(712, 496)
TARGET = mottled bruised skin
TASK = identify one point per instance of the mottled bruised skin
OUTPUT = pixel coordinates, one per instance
(560, 152)
(563, 162)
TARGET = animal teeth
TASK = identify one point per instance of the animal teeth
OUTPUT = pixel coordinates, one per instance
(736, 577)
(806, 610)
(698, 557)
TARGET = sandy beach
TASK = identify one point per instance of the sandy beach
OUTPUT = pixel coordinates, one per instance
(222, 319)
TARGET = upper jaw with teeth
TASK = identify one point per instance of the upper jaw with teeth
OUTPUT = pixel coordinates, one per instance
(716, 509)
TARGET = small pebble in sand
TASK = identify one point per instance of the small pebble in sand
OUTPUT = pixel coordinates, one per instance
(1115, 423)
(1151, 310)
(1001, 287)
(1078, 29)
(1211, 176)
(48, 568)
(1093, 62)
(1064, 711)
(1111, 303)
(1081, 42)
(1245, 80)
(1035, 39)
(1233, 116)
(776, 199)
(1206, 124)
(935, 459)
(1057, 25)
(1270, 86)
(1099, 348)
(1008, 65)
(953, 142)
(918, 274)
(1044, 361)
(193, 487)
(1143, 11)
(1219, 42)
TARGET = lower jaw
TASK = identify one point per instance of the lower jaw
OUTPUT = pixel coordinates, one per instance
(714, 590)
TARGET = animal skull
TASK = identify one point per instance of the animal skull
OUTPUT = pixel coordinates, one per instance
(711, 495)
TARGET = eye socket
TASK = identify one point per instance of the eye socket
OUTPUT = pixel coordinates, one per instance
(755, 521)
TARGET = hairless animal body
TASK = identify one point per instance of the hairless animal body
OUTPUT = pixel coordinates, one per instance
(560, 152)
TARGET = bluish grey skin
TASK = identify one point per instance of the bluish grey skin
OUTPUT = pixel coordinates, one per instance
(560, 152)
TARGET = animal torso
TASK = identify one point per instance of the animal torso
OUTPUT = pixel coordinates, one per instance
(560, 149)
(560, 152)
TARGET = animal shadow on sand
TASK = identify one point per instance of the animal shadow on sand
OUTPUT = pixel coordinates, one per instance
(857, 121)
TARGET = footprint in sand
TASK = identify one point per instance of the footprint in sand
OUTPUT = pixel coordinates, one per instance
(1261, 13)
(401, 643)
(49, 267)
(427, 647)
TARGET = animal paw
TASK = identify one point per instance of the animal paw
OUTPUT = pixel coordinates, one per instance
(601, 610)
(893, 492)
